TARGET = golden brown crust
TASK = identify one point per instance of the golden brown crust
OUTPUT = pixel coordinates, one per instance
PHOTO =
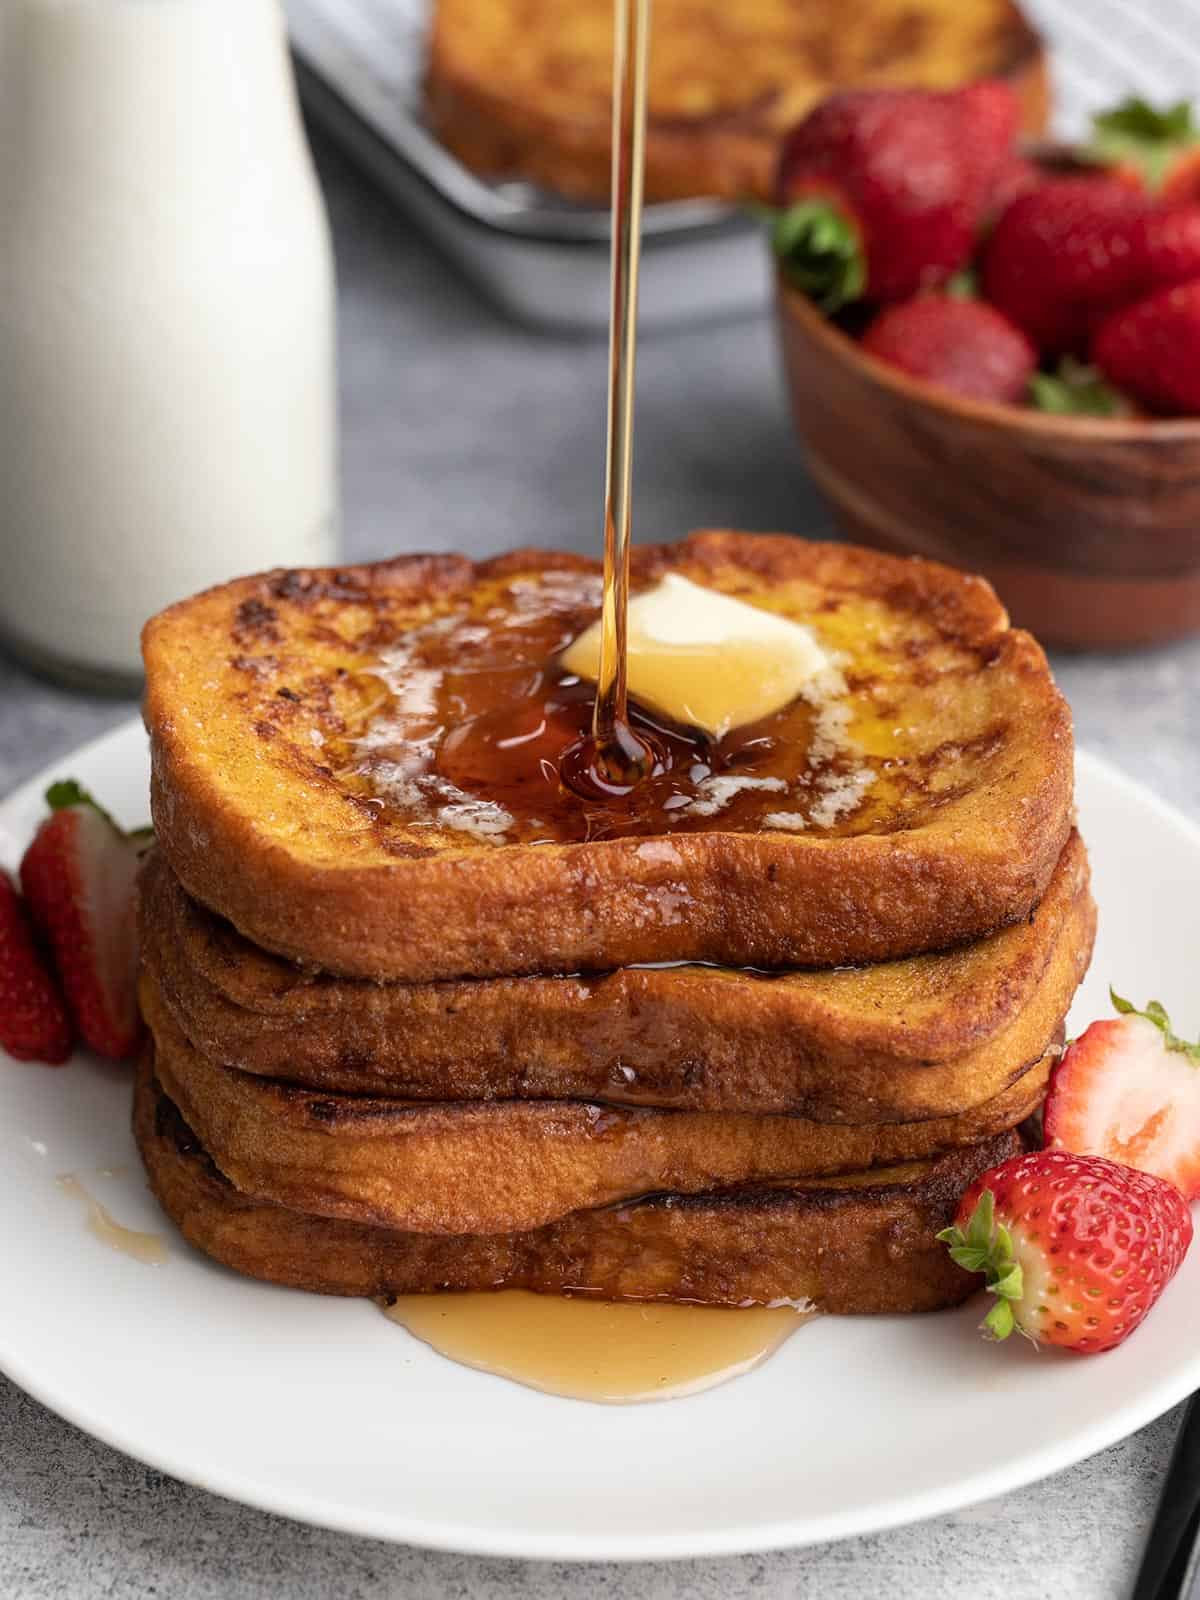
(897, 1042)
(257, 829)
(501, 1166)
(521, 88)
(866, 1245)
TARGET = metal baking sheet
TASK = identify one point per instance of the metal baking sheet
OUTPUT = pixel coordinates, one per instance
(545, 260)
(542, 259)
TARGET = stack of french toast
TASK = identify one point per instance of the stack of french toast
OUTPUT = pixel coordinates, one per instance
(422, 1018)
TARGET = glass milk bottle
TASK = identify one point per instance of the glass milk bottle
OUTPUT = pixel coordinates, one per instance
(167, 410)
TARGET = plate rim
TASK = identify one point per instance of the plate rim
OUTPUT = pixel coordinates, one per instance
(463, 1538)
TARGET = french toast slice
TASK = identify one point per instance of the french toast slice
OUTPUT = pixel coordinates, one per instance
(508, 1166)
(864, 1243)
(314, 779)
(897, 1042)
(522, 88)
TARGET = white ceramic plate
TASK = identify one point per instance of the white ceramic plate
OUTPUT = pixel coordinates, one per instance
(324, 1411)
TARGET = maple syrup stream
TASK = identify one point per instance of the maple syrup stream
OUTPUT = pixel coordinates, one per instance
(581, 1348)
(614, 758)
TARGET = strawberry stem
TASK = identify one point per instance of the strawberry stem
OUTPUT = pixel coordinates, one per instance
(985, 1245)
(1140, 135)
(820, 252)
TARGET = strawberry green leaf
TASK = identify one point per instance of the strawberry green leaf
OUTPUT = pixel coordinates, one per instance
(979, 1229)
(964, 285)
(820, 252)
(1156, 1013)
(67, 792)
(999, 1322)
(972, 1248)
(1009, 1283)
(1076, 390)
(986, 1246)
(1138, 119)
(968, 1258)
(1139, 134)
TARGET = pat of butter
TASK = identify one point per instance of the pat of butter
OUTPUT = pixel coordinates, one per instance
(706, 659)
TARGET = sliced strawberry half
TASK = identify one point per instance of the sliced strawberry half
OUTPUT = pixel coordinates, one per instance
(79, 877)
(1129, 1089)
(34, 1025)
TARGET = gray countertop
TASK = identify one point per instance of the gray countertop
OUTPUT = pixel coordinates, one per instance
(464, 432)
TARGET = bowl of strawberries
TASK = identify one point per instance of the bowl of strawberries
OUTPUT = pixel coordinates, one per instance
(993, 352)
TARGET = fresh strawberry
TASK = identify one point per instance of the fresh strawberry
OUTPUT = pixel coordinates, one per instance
(961, 345)
(1128, 1089)
(884, 189)
(1165, 247)
(1182, 185)
(1152, 350)
(78, 876)
(1060, 256)
(34, 1025)
(1076, 1249)
(1017, 176)
(1159, 148)
(989, 116)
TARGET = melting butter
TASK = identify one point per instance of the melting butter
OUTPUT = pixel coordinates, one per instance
(706, 659)
(600, 1350)
(149, 1248)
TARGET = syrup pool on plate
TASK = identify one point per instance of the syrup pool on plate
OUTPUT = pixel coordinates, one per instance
(613, 1352)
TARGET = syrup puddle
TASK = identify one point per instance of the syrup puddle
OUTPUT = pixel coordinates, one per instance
(614, 1353)
(150, 1248)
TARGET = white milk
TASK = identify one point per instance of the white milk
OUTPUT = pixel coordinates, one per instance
(166, 318)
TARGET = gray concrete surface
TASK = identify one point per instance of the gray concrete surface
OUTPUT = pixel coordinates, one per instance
(461, 431)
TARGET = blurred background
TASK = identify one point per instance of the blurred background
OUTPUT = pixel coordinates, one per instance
(463, 426)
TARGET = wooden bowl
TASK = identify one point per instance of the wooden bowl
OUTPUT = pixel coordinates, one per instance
(1089, 528)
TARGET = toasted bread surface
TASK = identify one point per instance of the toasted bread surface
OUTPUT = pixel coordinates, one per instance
(501, 1166)
(862, 1244)
(275, 750)
(901, 1041)
(522, 88)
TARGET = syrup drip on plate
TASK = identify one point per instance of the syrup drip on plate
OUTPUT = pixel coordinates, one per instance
(615, 757)
(148, 1248)
(605, 1351)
